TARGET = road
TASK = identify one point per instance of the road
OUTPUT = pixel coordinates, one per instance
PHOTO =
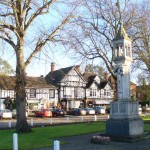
(37, 121)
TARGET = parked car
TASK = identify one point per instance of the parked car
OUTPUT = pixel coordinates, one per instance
(58, 112)
(99, 110)
(140, 110)
(5, 113)
(43, 113)
(77, 112)
(90, 111)
(108, 110)
(14, 113)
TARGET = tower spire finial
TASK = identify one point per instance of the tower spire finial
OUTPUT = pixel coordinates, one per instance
(121, 32)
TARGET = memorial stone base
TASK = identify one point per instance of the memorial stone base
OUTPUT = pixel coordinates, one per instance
(124, 120)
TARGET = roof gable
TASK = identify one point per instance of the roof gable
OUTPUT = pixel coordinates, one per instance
(91, 79)
(57, 75)
(105, 85)
(60, 75)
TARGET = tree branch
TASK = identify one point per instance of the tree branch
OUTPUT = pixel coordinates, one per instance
(10, 42)
(40, 11)
(42, 42)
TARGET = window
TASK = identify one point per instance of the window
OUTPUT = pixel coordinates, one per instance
(51, 93)
(77, 92)
(93, 92)
(104, 92)
(108, 93)
(90, 92)
(100, 94)
(32, 93)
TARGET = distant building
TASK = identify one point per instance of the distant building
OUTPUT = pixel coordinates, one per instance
(79, 90)
(98, 91)
(70, 84)
(38, 92)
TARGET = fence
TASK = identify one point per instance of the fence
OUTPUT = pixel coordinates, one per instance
(36, 121)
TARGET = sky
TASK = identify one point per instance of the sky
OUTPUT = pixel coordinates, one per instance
(41, 64)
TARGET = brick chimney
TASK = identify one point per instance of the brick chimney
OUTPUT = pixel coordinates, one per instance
(106, 76)
(52, 70)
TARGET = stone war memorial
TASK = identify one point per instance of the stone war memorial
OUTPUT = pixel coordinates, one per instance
(124, 122)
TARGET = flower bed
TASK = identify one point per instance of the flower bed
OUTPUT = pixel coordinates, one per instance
(100, 139)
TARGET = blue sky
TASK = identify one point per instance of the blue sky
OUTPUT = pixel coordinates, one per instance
(41, 64)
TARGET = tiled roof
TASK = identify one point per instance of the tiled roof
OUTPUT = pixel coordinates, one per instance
(103, 84)
(89, 78)
(38, 82)
(57, 75)
(8, 82)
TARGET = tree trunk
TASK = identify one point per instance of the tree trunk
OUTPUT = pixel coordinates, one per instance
(22, 125)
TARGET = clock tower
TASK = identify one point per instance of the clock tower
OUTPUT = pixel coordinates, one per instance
(124, 121)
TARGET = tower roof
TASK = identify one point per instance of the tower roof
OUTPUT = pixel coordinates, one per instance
(121, 33)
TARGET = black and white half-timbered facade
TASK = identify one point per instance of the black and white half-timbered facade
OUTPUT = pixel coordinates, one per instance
(39, 93)
(98, 91)
(66, 87)
(71, 86)
(79, 90)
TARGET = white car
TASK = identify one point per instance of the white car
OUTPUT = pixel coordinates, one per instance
(14, 113)
(90, 111)
(5, 113)
(99, 110)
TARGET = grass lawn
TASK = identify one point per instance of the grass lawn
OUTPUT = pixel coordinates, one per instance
(146, 118)
(45, 136)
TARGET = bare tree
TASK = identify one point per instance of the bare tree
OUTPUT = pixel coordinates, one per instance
(17, 19)
(141, 41)
(98, 24)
